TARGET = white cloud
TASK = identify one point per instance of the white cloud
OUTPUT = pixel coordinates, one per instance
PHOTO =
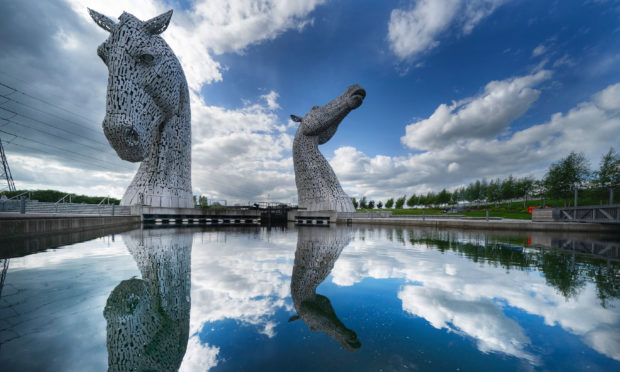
(483, 116)
(539, 50)
(247, 148)
(199, 357)
(417, 29)
(589, 127)
(211, 27)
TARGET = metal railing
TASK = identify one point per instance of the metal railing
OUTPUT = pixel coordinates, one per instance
(596, 213)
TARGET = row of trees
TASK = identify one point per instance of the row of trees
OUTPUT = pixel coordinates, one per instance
(52, 196)
(559, 182)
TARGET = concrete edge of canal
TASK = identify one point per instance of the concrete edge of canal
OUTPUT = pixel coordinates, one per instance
(504, 224)
(15, 226)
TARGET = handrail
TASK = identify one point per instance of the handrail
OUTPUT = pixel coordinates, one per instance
(104, 199)
(63, 198)
(17, 196)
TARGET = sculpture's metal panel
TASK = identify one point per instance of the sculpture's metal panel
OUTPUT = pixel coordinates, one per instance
(318, 188)
(148, 116)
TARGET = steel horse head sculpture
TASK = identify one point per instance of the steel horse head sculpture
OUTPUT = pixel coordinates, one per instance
(147, 109)
(317, 186)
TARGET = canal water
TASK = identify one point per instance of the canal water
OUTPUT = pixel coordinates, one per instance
(357, 298)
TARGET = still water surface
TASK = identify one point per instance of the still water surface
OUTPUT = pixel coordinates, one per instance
(312, 298)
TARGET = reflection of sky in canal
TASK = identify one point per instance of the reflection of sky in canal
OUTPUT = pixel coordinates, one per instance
(415, 299)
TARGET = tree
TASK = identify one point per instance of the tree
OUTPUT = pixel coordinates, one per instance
(443, 197)
(390, 203)
(494, 192)
(379, 204)
(608, 174)
(609, 170)
(483, 188)
(400, 202)
(412, 201)
(523, 188)
(562, 176)
(355, 203)
(454, 197)
(371, 204)
(363, 203)
(508, 189)
(431, 199)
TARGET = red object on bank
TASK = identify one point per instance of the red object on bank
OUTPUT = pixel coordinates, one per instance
(530, 209)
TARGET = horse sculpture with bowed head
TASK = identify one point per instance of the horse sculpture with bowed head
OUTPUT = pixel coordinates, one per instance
(317, 186)
(147, 109)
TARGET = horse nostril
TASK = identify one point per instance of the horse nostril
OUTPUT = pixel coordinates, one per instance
(131, 135)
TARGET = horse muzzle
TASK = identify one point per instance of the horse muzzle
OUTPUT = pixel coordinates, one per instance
(125, 138)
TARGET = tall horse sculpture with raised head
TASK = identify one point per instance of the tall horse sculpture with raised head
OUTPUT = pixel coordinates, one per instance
(318, 188)
(147, 109)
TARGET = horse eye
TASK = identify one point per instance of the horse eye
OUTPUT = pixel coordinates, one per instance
(147, 58)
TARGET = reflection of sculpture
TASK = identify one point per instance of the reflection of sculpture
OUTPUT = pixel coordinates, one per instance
(147, 111)
(148, 318)
(317, 186)
(317, 251)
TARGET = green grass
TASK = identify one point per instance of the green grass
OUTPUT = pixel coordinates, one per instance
(514, 210)
(504, 212)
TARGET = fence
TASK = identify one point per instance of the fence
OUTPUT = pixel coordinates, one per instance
(34, 206)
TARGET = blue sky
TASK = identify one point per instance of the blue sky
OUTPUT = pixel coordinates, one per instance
(456, 90)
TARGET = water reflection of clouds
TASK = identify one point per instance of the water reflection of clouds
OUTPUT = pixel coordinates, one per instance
(460, 295)
(69, 293)
(237, 276)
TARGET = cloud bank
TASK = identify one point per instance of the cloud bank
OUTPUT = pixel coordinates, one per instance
(418, 28)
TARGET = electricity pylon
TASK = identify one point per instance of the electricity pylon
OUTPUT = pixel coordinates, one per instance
(5, 172)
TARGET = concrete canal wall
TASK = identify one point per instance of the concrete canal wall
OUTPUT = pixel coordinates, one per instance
(16, 225)
(482, 224)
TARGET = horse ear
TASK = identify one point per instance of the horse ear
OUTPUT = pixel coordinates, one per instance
(159, 24)
(104, 22)
(296, 118)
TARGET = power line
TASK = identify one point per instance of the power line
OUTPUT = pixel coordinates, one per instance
(48, 124)
(8, 99)
(51, 153)
(56, 147)
(44, 101)
(54, 135)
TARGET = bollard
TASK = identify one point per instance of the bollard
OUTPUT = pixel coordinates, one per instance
(22, 205)
(113, 205)
(487, 215)
(423, 217)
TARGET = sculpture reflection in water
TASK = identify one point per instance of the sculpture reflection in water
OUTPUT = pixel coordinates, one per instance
(317, 251)
(148, 318)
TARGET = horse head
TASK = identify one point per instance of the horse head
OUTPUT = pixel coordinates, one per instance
(323, 121)
(146, 85)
